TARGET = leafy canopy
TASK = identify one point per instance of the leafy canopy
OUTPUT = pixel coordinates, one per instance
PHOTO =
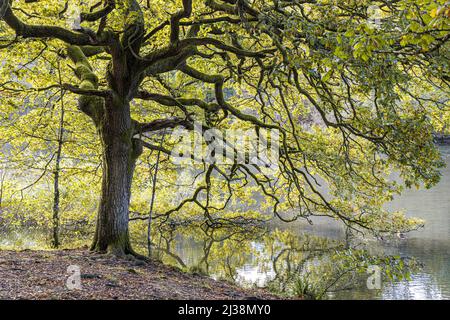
(355, 87)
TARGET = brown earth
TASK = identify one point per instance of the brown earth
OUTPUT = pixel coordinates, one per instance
(43, 275)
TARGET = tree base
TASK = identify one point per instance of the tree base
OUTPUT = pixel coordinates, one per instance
(125, 252)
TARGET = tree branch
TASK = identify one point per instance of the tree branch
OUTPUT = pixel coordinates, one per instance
(170, 101)
(162, 124)
(45, 31)
(175, 20)
(97, 15)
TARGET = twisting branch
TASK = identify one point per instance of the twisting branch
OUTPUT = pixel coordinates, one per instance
(99, 14)
(88, 103)
(173, 102)
(162, 124)
(45, 31)
(175, 20)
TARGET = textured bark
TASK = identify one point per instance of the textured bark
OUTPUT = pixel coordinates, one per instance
(112, 119)
(119, 157)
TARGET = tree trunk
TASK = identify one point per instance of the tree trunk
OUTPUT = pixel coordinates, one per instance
(120, 152)
(56, 173)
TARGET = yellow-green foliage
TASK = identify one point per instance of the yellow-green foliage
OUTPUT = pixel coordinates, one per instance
(356, 100)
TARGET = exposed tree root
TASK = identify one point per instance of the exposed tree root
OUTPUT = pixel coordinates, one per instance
(127, 253)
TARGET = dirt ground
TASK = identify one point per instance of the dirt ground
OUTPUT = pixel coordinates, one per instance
(44, 275)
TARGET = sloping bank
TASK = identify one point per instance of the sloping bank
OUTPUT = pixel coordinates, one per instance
(53, 275)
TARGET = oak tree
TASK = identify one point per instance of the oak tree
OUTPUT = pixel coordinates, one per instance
(350, 85)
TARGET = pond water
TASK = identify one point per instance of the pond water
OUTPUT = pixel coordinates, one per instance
(429, 245)
(259, 260)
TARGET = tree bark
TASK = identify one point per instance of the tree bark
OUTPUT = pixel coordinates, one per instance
(112, 118)
(120, 152)
(56, 173)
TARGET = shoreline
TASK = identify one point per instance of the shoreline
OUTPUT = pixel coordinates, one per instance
(53, 274)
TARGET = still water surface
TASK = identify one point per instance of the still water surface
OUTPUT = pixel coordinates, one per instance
(429, 245)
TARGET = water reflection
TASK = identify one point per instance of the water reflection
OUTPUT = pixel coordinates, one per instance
(307, 260)
(271, 258)
(287, 263)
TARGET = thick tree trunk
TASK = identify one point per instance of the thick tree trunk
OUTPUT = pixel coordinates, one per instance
(119, 158)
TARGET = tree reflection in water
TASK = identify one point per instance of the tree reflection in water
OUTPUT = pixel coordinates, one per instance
(244, 251)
